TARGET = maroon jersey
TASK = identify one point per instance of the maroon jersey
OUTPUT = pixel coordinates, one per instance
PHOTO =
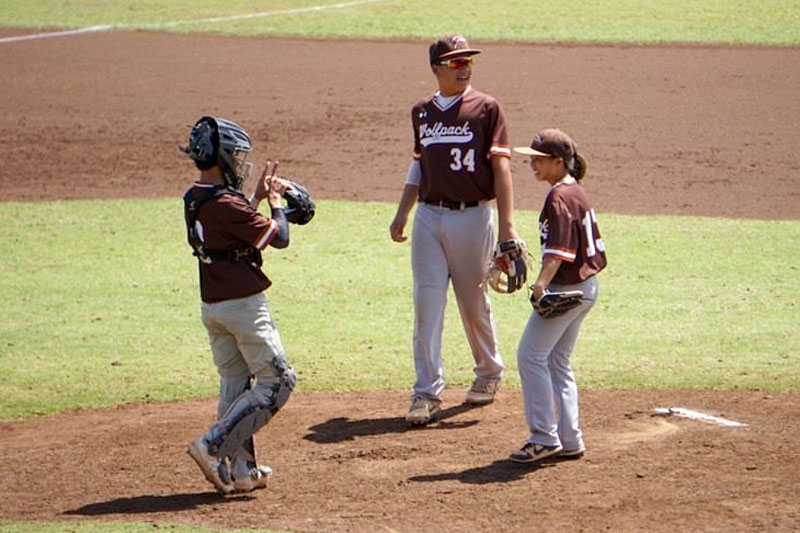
(228, 223)
(568, 231)
(454, 143)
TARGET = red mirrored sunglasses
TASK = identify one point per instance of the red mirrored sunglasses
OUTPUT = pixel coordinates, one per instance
(457, 62)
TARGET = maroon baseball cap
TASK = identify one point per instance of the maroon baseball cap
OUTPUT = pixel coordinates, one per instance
(450, 45)
(553, 142)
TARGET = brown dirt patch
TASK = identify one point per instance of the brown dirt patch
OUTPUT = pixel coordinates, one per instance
(347, 462)
(686, 130)
(692, 131)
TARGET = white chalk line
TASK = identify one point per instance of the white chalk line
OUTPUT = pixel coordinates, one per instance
(293, 11)
(697, 415)
(110, 27)
(90, 29)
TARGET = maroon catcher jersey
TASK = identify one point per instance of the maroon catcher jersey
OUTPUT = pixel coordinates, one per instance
(568, 231)
(454, 143)
(229, 223)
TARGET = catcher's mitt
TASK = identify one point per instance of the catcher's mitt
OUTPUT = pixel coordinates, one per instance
(299, 205)
(509, 266)
(556, 303)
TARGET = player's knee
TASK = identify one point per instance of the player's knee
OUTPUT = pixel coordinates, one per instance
(273, 392)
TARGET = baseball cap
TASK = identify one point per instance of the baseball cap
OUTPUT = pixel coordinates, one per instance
(450, 45)
(553, 142)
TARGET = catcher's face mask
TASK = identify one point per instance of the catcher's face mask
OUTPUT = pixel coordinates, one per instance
(242, 167)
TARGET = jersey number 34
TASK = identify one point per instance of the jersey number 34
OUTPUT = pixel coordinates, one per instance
(458, 163)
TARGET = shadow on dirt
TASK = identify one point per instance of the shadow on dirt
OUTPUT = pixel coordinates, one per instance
(500, 471)
(154, 504)
(343, 429)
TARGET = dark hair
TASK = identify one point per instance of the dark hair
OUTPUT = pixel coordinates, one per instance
(577, 167)
(204, 165)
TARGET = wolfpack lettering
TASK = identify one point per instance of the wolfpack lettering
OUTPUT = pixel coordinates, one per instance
(441, 134)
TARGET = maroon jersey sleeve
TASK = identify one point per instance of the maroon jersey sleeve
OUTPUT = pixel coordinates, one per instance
(562, 239)
(500, 145)
(416, 112)
(239, 222)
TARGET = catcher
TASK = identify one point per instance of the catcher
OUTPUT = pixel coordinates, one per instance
(563, 294)
(227, 235)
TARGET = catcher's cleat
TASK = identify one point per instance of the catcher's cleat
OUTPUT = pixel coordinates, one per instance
(256, 479)
(215, 470)
(423, 411)
(531, 453)
(482, 391)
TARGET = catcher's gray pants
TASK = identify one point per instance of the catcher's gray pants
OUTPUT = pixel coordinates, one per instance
(549, 389)
(244, 341)
(448, 244)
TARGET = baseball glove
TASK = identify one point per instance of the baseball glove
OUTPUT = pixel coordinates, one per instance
(299, 204)
(553, 304)
(508, 269)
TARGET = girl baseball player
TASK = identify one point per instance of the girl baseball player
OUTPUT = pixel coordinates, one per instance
(572, 254)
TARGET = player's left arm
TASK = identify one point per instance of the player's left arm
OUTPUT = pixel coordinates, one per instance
(500, 157)
(275, 189)
(504, 192)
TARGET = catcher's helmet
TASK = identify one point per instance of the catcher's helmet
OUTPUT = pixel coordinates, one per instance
(216, 141)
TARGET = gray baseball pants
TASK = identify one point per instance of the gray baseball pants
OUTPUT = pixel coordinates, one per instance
(549, 389)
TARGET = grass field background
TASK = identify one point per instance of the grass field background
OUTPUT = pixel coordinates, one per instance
(103, 305)
(775, 22)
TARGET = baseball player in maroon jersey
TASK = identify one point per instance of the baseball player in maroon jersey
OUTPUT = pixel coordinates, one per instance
(572, 254)
(460, 162)
(227, 234)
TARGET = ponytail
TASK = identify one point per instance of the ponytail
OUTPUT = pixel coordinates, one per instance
(577, 167)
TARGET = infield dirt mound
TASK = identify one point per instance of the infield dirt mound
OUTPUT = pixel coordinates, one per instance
(347, 462)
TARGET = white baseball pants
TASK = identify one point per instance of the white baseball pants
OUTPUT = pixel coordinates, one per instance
(449, 244)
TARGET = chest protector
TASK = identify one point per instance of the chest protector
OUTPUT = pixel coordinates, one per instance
(191, 209)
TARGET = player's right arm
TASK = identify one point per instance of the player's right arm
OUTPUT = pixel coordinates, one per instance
(407, 201)
(411, 187)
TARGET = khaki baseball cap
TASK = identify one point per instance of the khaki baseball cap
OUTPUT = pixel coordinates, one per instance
(448, 46)
(552, 142)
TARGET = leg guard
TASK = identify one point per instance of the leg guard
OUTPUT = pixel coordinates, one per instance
(251, 411)
(243, 459)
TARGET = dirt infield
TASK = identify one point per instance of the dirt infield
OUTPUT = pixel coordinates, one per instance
(682, 130)
(348, 463)
(697, 131)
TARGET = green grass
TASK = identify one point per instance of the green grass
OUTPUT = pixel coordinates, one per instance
(102, 305)
(770, 22)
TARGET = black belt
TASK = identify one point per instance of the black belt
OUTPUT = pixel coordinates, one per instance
(455, 206)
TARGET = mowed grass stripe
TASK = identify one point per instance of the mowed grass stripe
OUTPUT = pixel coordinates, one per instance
(769, 22)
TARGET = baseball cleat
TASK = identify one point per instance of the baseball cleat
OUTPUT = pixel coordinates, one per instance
(214, 470)
(575, 453)
(532, 452)
(482, 391)
(423, 411)
(256, 479)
